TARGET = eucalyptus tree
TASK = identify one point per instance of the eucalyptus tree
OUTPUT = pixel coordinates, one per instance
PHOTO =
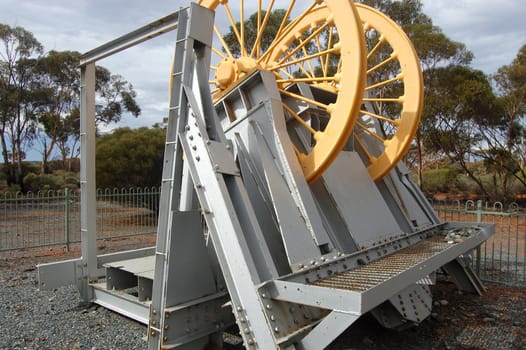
(60, 119)
(20, 96)
(505, 153)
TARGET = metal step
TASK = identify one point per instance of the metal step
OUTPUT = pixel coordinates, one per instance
(132, 274)
(127, 288)
(121, 302)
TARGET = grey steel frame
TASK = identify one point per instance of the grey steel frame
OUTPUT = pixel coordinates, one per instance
(88, 268)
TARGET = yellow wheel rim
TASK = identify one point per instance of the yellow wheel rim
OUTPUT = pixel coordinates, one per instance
(305, 42)
(394, 91)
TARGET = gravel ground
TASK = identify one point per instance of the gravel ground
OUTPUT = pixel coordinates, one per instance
(58, 319)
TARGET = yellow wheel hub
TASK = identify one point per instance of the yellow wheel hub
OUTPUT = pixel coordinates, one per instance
(230, 70)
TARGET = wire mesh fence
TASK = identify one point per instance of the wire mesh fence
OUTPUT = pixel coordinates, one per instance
(53, 218)
(41, 219)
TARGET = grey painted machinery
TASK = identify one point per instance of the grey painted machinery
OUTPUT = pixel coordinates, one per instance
(284, 207)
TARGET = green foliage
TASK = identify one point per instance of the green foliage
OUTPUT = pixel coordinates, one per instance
(130, 158)
(441, 180)
(58, 180)
(21, 96)
(39, 100)
(44, 182)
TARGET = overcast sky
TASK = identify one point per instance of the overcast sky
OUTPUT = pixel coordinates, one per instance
(493, 30)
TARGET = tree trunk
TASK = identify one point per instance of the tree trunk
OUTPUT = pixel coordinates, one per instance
(10, 176)
(472, 176)
(44, 167)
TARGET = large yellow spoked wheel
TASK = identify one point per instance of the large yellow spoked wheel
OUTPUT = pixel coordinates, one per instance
(310, 34)
(393, 95)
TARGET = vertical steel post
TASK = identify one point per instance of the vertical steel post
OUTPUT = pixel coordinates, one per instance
(88, 214)
(67, 216)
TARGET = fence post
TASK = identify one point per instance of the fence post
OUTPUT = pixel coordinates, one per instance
(68, 217)
(479, 251)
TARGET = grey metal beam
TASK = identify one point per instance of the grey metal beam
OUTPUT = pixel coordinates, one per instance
(327, 330)
(68, 272)
(224, 220)
(124, 255)
(328, 298)
(88, 200)
(122, 303)
(58, 274)
(149, 31)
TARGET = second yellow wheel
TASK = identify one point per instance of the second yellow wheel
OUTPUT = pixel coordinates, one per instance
(393, 96)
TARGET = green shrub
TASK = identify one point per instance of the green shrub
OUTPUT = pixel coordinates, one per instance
(130, 158)
(45, 182)
(441, 180)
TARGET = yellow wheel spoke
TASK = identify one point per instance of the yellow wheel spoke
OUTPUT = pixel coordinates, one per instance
(304, 99)
(395, 122)
(379, 44)
(385, 82)
(318, 46)
(258, 43)
(308, 39)
(340, 65)
(262, 29)
(382, 99)
(300, 66)
(309, 63)
(308, 57)
(219, 53)
(299, 119)
(291, 77)
(234, 28)
(328, 57)
(222, 40)
(391, 58)
(370, 132)
(364, 148)
(306, 80)
(285, 31)
(242, 26)
(285, 18)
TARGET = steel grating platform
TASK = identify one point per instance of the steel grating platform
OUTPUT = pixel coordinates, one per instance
(352, 286)
(368, 276)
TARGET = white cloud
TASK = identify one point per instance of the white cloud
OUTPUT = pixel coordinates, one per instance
(493, 30)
